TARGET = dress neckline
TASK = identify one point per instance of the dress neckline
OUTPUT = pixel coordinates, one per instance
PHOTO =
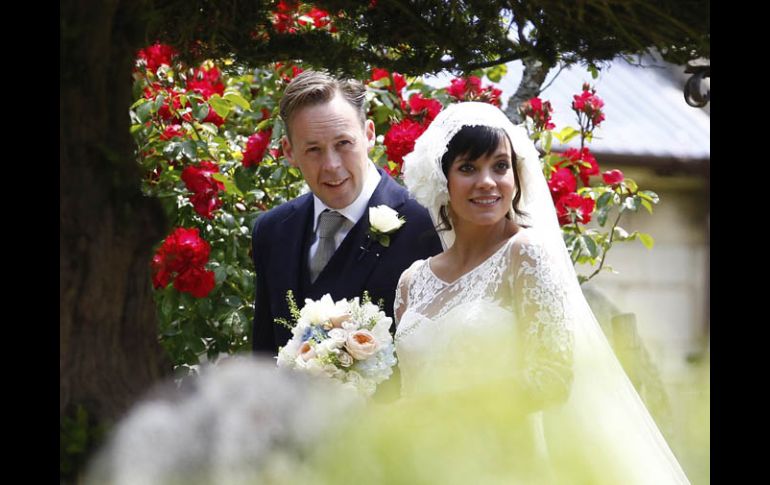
(482, 263)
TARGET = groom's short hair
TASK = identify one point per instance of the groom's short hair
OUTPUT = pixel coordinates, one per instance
(316, 87)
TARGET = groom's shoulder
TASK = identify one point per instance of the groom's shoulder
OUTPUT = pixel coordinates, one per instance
(279, 213)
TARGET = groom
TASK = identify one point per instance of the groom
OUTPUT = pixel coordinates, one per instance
(320, 242)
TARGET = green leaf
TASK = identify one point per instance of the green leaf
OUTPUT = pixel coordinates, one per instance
(197, 345)
(384, 240)
(601, 216)
(546, 141)
(647, 240)
(243, 180)
(496, 73)
(221, 106)
(593, 71)
(210, 128)
(649, 195)
(620, 234)
(233, 301)
(228, 219)
(144, 112)
(647, 206)
(201, 112)
(277, 175)
(631, 203)
(589, 246)
(566, 134)
(386, 100)
(381, 114)
(188, 148)
(603, 200)
(237, 100)
(230, 187)
(220, 274)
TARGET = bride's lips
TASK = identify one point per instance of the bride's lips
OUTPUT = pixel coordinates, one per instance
(485, 201)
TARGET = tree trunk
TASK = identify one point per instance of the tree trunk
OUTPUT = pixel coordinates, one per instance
(109, 350)
(531, 81)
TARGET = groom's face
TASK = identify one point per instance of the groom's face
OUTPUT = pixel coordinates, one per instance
(329, 144)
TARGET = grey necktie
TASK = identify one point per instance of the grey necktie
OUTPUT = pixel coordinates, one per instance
(328, 224)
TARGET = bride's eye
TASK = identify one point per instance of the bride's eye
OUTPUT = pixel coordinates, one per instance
(503, 165)
(466, 167)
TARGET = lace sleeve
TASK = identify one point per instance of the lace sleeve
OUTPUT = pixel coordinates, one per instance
(402, 293)
(540, 303)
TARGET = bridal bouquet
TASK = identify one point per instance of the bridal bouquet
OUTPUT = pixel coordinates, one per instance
(347, 340)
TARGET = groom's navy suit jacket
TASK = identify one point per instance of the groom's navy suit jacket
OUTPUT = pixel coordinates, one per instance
(281, 242)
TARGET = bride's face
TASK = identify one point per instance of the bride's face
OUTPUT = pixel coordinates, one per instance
(481, 190)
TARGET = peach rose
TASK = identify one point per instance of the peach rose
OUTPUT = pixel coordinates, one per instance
(361, 344)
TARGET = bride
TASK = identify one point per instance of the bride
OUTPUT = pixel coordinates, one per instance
(500, 313)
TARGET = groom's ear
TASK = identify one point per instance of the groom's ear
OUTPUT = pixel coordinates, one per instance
(370, 133)
(287, 150)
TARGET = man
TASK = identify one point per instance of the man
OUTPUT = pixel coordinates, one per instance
(320, 242)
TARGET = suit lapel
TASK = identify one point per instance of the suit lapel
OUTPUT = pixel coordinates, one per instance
(293, 238)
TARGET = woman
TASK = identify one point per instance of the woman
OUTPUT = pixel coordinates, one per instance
(501, 309)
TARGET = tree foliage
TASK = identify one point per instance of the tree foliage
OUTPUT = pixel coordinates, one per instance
(427, 36)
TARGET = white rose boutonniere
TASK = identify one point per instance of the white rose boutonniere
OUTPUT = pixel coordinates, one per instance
(384, 221)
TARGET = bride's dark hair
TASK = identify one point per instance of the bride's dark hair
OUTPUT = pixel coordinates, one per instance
(473, 142)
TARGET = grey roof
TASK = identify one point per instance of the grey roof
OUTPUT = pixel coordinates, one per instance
(646, 114)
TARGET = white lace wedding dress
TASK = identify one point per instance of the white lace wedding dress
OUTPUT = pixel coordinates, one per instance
(510, 322)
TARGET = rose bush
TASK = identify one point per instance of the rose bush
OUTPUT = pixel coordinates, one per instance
(207, 139)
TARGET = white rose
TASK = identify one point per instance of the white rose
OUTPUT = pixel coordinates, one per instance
(326, 347)
(361, 344)
(345, 359)
(338, 335)
(384, 219)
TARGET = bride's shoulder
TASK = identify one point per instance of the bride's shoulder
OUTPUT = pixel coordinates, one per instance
(406, 275)
(527, 240)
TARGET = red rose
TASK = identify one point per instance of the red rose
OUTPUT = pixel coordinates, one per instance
(181, 250)
(156, 55)
(283, 17)
(213, 117)
(539, 112)
(613, 177)
(561, 183)
(400, 138)
(255, 148)
(205, 188)
(199, 178)
(464, 88)
(491, 95)
(172, 131)
(320, 17)
(583, 160)
(206, 82)
(587, 102)
(196, 281)
(205, 203)
(283, 23)
(424, 108)
(170, 100)
(572, 207)
(398, 84)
